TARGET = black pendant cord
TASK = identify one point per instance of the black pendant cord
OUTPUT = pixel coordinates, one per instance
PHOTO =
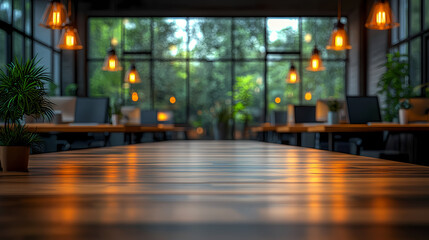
(339, 10)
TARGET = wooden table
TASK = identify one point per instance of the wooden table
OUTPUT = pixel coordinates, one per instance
(70, 128)
(213, 190)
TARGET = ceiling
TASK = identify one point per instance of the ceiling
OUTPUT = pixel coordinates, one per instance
(218, 7)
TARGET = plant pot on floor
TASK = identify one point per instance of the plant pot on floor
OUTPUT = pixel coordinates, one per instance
(333, 118)
(14, 158)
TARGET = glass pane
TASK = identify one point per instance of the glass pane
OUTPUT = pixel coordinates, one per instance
(18, 43)
(415, 62)
(210, 83)
(40, 33)
(3, 48)
(28, 48)
(57, 72)
(44, 55)
(210, 38)
(415, 16)
(170, 88)
(6, 10)
(101, 31)
(136, 34)
(170, 37)
(324, 84)
(104, 83)
(277, 87)
(18, 14)
(403, 19)
(249, 38)
(394, 6)
(283, 34)
(249, 82)
(142, 89)
(28, 16)
(426, 16)
(317, 31)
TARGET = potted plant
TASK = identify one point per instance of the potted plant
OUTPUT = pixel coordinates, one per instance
(22, 93)
(334, 106)
(116, 113)
(404, 105)
(393, 85)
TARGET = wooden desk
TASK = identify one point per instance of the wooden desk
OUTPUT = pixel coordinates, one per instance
(214, 190)
(67, 128)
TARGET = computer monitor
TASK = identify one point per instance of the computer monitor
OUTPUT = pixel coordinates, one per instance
(91, 110)
(419, 110)
(131, 114)
(322, 110)
(67, 106)
(149, 117)
(278, 117)
(362, 110)
(301, 114)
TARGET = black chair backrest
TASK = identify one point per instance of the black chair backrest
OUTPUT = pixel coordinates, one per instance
(149, 117)
(279, 117)
(305, 114)
(91, 110)
(362, 110)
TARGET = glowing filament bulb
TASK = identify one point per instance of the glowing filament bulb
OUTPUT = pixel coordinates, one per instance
(56, 18)
(277, 100)
(339, 41)
(381, 17)
(172, 100)
(135, 97)
(132, 77)
(293, 77)
(70, 40)
(315, 64)
(112, 63)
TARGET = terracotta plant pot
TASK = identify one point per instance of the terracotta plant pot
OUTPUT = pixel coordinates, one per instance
(14, 158)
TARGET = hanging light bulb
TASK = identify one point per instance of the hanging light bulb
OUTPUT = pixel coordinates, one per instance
(134, 97)
(55, 16)
(308, 96)
(292, 76)
(111, 62)
(315, 61)
(339, 40)
(70, 39)
(132, 76)
(381, 16)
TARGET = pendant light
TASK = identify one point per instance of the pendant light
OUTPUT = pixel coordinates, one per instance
(132, 75)
(315, 64)
(111, 62)
(292, 76)
(381, 16)
(339, 40)
(69, 37)
(55, 16)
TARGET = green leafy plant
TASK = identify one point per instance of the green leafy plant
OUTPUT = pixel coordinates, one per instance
(22, 92)
(405, 104)
(393, 85)
(334, 105)
(71, 89)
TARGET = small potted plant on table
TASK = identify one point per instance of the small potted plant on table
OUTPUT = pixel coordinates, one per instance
(334, 106)
(404, 105)
(22, 93)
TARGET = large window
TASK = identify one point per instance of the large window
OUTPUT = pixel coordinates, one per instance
(412, 36)
(21, 37)
(206, 64)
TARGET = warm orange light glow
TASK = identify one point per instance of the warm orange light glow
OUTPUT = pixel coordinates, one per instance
(135, 97)
(308, 96)
(200, 130)
(132, 77)
(381, 17)
(55, 16)
(69, 39)
(315, 64)
(173, 100)
(339, 40)
(292, 77)
(162, 117)
(277, 100)
(112, 63)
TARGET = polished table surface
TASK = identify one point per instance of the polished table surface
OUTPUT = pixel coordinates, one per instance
(78, 128)
(213, 190)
